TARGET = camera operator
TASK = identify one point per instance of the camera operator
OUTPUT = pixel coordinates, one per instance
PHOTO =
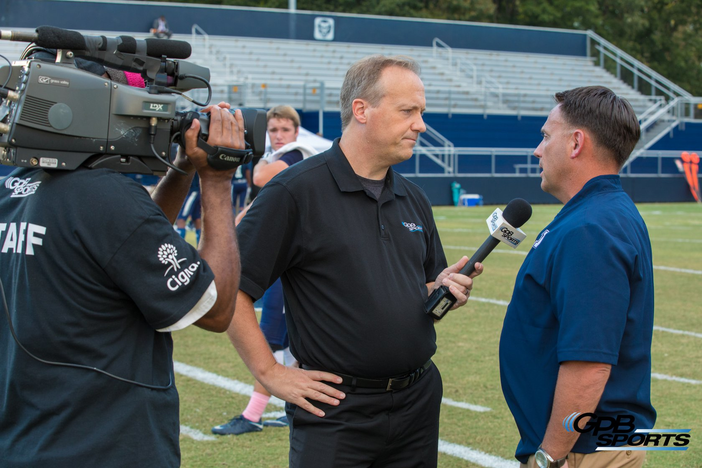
(96, 278)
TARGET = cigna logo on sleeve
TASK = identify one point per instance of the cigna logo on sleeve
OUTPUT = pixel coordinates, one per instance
(168, 255)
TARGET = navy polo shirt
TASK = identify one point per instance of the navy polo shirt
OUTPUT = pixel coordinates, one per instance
(354, 268)
(583, 293)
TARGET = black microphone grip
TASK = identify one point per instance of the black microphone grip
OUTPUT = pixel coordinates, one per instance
(441, 300)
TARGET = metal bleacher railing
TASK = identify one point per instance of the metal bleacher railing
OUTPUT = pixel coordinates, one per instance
(519, 162)
(673, 105)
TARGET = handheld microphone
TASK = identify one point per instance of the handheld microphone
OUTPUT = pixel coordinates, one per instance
(504, 227)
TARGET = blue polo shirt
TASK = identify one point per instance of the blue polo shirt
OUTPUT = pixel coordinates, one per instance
(583, 293)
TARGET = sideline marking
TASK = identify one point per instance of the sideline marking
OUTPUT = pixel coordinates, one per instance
(464, 405)
(679, 332)
(675, 379)
(491, 301)
(195, 434)
(475, 456)
(211, 378)
(677, 270)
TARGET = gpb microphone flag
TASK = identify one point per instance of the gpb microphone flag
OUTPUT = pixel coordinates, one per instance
(504, 227)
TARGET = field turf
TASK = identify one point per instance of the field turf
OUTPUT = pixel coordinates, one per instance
(467, 354)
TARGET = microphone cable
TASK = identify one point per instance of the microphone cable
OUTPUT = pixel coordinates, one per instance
(9, 71)
(75, 366)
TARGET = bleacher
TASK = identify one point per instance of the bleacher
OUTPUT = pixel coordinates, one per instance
(269, 71)
(255, 72)
(487, 104)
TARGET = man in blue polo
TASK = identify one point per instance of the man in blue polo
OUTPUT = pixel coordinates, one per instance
(577, 334)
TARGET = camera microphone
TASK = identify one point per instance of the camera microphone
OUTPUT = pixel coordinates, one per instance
(504, 227)
(17, 36)
(57, 38)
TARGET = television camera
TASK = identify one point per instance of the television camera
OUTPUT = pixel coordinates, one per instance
(56, 115)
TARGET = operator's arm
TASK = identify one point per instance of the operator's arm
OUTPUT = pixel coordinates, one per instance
(578, 389)
(291, 384)
(218, 244)
(171, 191)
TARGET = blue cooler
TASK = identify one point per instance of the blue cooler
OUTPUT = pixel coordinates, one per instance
(471, 199)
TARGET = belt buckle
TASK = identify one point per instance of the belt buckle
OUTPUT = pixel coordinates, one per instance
(389, 387)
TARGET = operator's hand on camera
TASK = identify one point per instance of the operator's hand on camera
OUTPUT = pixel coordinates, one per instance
(459, 285)
(225, 130)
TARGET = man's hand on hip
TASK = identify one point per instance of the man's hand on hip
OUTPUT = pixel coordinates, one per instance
(300, 387)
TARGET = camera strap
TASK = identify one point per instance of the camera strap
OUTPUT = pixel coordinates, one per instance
(223, 158)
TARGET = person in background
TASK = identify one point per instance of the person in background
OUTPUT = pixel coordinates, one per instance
(577, 333)
(160, 28)
(283, 129)
(191, 211)
(240, 189)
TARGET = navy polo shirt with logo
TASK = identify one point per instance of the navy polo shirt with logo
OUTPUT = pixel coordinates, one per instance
(583, 293)
(92, 268)
(354, 269)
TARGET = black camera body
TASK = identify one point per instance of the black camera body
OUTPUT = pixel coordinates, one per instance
(54, 115)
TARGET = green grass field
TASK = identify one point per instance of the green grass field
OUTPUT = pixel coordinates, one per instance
(467, 353)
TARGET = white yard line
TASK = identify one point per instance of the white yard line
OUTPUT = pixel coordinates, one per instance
(677, 270)
(211, 378)
(195, 434)
(675, 379)
(464, 405)
(489, 301)
(678, 332)
(475, 456)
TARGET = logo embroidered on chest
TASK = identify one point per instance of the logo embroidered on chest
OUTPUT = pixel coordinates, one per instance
(541, 237)
(413, 227)
(21, 187)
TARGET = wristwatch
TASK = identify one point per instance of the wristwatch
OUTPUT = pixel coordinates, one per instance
(544, 460)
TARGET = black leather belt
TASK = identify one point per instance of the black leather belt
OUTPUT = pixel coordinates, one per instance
(395, 383)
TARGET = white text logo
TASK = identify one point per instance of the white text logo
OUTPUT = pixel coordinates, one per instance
(168, 255)
(412, 227)
(21, 187)
(21, 237)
